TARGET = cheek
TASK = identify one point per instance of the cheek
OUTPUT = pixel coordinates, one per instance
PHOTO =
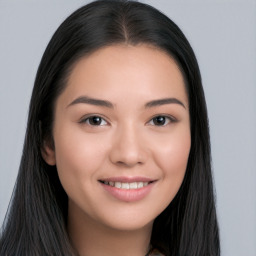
(172, 154)
(78, 156)
(172, 157)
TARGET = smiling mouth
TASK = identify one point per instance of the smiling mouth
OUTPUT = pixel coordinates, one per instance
(126, 185)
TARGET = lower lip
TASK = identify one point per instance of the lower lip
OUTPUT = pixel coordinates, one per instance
(128, 195)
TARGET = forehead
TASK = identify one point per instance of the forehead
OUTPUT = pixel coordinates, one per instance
(126, 70)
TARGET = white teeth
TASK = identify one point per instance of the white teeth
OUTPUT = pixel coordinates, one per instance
(140, 184)
(112, 183)
(133, 185)
(126, 185)
(118, 184)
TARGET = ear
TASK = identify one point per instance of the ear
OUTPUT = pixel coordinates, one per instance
(48, 153)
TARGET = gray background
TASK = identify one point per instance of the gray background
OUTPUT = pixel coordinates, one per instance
(223, 35)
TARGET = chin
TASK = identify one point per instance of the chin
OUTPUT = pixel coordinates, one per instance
(131, 224)
(129, 219)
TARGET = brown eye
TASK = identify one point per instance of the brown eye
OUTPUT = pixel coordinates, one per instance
(161, 120)
(94, 121)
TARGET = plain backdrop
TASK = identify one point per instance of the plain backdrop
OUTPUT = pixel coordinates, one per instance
(223, 36)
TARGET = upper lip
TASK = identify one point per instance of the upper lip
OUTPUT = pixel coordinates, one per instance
(128, 179)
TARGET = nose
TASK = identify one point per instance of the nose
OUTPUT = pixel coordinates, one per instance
(128, 148)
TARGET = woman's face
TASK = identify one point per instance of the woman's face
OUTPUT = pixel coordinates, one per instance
(121, 136)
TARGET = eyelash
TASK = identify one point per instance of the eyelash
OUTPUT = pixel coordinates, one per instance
(170, 119)
(87, 120)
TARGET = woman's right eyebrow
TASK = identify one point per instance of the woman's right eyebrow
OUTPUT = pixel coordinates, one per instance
(91, 101)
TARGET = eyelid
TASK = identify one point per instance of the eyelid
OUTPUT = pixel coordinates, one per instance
(86, 117)
(171, 118)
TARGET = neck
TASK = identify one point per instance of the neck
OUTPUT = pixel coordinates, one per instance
(92, 238)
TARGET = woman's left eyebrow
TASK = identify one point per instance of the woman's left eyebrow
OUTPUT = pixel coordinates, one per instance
(159, 102)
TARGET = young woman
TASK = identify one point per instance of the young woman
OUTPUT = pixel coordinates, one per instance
(116, 158)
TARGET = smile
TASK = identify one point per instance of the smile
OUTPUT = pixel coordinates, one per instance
(126, 185)
(127, 189)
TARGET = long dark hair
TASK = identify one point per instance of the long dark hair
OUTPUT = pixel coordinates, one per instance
(35, 223)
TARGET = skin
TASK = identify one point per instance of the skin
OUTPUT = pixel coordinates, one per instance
(126, 142)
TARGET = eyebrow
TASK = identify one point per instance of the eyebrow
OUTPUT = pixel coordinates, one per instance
(108, 104)
(92, 101)
(155, 103)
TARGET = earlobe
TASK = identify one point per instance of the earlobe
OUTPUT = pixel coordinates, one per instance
(48, 153)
